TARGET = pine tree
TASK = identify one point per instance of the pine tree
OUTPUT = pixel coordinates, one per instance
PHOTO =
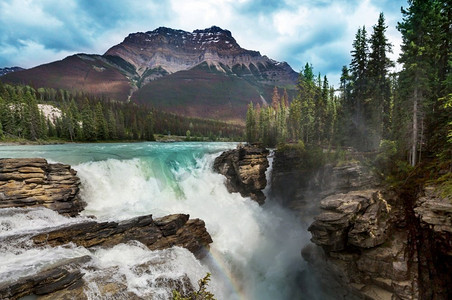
(414, 78)
(101, 123)
(275, 99)
(149, 128)
(88, 124)
(358, 68)
(379, 84)
(251, 124)
(295, 120)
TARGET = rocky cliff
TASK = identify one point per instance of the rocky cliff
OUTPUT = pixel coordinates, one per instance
(368, 242)
(244, 169)
(32, 182)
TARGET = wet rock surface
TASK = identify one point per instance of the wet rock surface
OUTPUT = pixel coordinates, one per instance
(244, 169)
(28, 182)
(172, 230)
(63, 275)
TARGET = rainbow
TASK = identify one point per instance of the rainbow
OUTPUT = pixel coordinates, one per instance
(220, 268)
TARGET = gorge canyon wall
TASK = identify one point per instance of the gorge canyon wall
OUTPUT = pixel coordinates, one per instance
(368, 241)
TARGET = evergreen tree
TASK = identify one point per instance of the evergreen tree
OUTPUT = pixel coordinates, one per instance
(101, 123)
(295, 123)
(275, 99)
(88, 124)
(112, 125)
(414, 78)
(149, 128)
(251, 124)
(378, 71)
(358, 68)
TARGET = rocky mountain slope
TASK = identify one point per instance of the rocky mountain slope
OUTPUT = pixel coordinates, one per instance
(204, 73)
(4, 71)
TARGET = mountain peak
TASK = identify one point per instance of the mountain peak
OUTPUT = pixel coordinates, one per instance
(165, 51)
(215, 30)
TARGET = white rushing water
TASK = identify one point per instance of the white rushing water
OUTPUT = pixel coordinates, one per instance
(255, 252)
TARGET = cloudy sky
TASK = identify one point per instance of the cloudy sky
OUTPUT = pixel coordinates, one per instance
(33, 32)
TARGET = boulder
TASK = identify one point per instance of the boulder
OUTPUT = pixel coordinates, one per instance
(358, 218)
(244, 169)
(27, 182)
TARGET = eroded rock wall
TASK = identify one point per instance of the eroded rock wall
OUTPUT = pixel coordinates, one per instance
(244, 169)
(28, 182)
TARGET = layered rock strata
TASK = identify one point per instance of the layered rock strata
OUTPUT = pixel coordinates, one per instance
(244, 169)
(363, 251)
(161, 233)
(29, 182)
(64, 274)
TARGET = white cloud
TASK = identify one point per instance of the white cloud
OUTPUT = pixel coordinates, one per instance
(320, 32)
(32, 52)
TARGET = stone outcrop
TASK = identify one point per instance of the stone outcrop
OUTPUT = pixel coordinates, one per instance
(161, 233)
(364, 253)
(435, 214)
(432, 216)
(31, 182)
(359, 218)
(368, 242)
(244, 169)
(65, 274)
(65, 278)
(378, 245)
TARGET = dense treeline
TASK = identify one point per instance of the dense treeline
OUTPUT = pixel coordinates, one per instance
(407, 114)
(310, 117)
(80, 117)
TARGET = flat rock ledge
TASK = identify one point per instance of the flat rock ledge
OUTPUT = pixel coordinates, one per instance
(244, 168)
(28, 182)
(161, 233)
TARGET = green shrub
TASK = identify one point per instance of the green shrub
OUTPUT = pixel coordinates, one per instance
(201, 294)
